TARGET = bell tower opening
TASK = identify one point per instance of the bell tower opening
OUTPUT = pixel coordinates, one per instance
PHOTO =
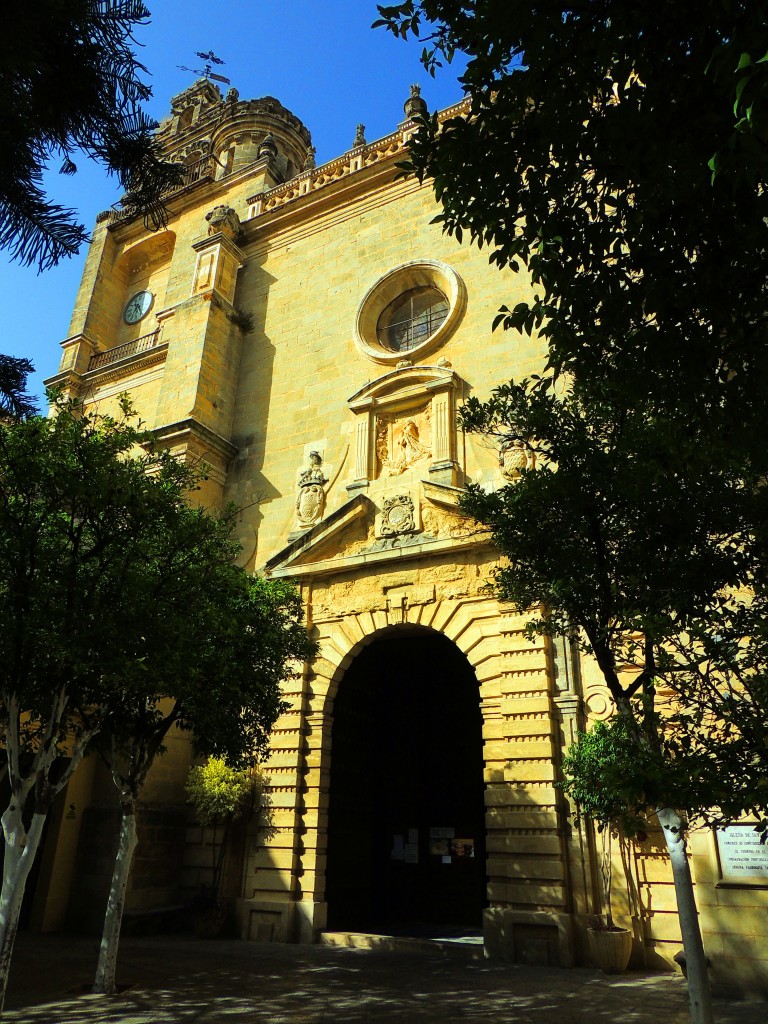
(406, 830)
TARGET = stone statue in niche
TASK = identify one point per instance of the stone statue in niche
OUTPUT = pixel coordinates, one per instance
(223, 219)
(398, 515)
(310, 500)
(402, 443)
(514, 457)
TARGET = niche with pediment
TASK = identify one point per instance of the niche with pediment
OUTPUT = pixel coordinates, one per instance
(406, 421)
(142, 269)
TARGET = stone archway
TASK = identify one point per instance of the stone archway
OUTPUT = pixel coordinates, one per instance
(533, 865)
(406, 831)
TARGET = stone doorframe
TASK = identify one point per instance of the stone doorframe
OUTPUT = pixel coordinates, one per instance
(529, 892)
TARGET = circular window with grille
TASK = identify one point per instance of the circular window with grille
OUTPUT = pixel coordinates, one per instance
(411, 310)
(411, 319)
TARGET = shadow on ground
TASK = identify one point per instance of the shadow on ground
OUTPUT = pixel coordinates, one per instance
(179, 980)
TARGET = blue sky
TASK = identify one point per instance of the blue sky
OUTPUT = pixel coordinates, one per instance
(321, 59)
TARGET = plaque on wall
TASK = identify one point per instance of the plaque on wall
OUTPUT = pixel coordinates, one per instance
(742, 856)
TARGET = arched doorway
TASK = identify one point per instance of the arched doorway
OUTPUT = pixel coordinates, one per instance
(406, 836)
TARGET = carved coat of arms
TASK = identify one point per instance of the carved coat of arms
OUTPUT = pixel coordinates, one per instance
(398, 515)
(514, 457)
(310, 500)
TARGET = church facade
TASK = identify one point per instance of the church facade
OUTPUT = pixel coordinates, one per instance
(308, 335)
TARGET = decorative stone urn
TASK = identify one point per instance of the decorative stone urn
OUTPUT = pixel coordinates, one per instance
(611, 948)
(223, 219)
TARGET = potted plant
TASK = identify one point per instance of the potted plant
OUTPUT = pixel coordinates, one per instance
(219, 795)
(599, 777)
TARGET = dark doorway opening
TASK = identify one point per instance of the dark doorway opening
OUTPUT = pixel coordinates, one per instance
(406, 829)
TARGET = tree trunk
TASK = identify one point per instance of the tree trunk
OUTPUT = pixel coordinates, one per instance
(104, 983)
(696, 961)
(20, 850)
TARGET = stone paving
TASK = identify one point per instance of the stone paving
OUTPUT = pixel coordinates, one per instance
(181, 980)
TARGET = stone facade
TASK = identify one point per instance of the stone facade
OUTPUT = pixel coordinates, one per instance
(261, 355)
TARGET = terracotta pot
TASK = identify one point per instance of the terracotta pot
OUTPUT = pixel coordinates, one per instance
(610, 950)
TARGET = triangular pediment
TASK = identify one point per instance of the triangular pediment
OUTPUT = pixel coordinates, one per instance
(315, 544)
(345, 541)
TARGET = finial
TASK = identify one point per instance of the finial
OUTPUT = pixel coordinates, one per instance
(268, 146)
(359, 137)
(309, 163)
(415, 106)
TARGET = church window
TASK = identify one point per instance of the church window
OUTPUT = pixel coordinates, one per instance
(411, 319)
(409, 311)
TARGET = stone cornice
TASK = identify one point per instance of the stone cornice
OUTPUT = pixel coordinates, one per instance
(372, 560)
(184, 431)
(348, 164)
(355, 168)
(127, 366)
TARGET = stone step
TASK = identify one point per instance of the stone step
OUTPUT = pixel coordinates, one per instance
(465, 947)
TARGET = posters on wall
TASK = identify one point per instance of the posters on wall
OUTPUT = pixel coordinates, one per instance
(443, 843)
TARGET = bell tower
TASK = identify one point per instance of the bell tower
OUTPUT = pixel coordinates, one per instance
(156, 314)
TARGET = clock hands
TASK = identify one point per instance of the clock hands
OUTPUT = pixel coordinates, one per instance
(137, 307)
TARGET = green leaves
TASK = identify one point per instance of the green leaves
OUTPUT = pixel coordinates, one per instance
(219, 792)
(589, 158)
(612, 778)
(123, 594)
(88, 46)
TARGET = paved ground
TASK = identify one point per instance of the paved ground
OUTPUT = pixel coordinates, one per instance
(181, 980)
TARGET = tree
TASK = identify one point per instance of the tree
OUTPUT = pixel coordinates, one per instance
(232, 639)
(600, 775)
(617, 154)
(70, 83)
(630, 552)
(102, 563)
(15, 402)
(220, 795)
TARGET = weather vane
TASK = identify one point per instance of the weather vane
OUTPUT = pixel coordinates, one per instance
(210, 59)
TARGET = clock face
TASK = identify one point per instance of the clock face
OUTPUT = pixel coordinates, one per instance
(137, 307)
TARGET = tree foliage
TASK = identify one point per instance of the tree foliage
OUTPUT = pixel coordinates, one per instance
(218, 791)
(617, 152)
(70, 84)
(15, 401)
(123, 616)
(624, 528)
(617, 155)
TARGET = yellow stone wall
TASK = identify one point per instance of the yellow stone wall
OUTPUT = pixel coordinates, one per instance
(252, 405)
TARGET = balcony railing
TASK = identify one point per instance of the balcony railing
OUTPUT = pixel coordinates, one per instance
(131, 348)
(201, 169)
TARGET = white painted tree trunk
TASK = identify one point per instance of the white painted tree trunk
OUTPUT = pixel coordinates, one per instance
(20, 849)
(696, 961)
(105, 971)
